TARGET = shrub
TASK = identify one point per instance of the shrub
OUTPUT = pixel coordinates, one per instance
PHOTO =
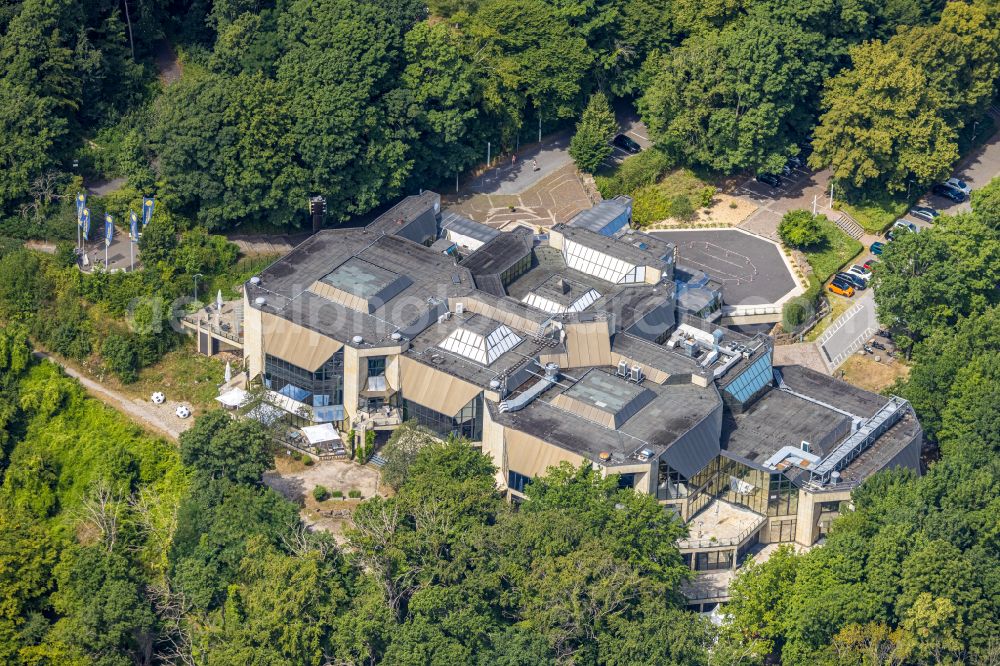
(705, 196)
(296, 455)
(307, 461)
(681, 208)
(337, 494)
(800, 228)
(795, 313)
(120, 356)
(320, 493)
(65, 254)
(637, 171)
(354, 493)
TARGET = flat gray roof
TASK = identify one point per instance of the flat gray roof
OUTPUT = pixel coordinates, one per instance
(365, 280)
(636, 248)
(466, 227)
(600, 215)
(609, 393)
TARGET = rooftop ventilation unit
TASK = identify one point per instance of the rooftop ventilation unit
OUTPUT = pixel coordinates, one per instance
(623, 368)
(717, 334)
(806, 446)
(644, 455)
(494, 384)
(260, 300)
(357, 339)
(690, 347)
(459, 308)
(397, 336)
(255, 280)
(636, 375)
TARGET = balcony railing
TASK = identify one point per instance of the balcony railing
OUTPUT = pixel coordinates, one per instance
(379, 418)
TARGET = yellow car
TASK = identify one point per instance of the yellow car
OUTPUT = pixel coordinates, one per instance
(842, 288)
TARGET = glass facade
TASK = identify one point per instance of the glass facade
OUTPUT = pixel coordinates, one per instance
(751, 380)
(720, 559)
(325, 386)
(671, 484)
(600, 265)
(516, 271)
(783, 496)
(467, 423)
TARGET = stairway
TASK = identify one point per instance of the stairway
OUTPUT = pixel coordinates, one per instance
(377, 460)
(849, 226)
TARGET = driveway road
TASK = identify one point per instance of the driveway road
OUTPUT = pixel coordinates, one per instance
(846, 335)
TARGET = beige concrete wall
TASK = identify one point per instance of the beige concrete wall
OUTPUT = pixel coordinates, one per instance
(351, 382)
(644, 480)
(807, 518)
(493, 446)
(253, 341)
(528, 455)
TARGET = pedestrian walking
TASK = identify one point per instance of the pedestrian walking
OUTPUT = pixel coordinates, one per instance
(513, 159)
(534, 165)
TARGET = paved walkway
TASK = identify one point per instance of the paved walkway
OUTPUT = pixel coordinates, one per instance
(512, 177)
(145, 414)
(803, 353)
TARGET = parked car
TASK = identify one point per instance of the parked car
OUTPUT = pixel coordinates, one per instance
(795, 161)
(769, 179)
(841, 288)
(925, 213)
(905, 224)
(853, 280)
(860, 271)
(627, 144)
(877, 248)
(959, 185)
(948, 192)
(870, 265)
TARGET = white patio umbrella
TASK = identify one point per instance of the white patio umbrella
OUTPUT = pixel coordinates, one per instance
(229, 372)
(218, 300)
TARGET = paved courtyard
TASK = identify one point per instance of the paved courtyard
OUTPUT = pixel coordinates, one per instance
(552, 199)
(753, 270)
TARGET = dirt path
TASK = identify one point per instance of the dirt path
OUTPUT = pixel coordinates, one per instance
(167, 64)
(158, 419)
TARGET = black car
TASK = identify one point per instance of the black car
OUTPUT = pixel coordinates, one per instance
(626, 144)
(948, 192)
(852, 280)
(769, 179)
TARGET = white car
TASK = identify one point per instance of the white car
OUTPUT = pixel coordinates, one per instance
(905, 224)
(959, 184)
(860, 272)
(183, 412)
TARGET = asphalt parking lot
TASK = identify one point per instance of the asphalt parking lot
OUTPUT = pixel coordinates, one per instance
(752, 269)
(762, 193)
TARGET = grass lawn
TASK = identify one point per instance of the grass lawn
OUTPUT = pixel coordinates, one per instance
(838, 306)
(183, 375)
(653, 203)
(836, 250)
(867, 373)
(875, 214)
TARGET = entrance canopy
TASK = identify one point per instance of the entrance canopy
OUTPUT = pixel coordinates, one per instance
(321, 434)
(234, 397)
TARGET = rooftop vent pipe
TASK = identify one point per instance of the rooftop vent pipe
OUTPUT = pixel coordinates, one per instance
(525, 398)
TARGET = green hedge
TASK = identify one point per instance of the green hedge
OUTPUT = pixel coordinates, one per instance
(637, 171)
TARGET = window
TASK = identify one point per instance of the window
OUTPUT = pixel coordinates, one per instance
(783, 496)
(671, 483)
(782, 531)
(721, 559)
(376, 366)
(517, 481)
(467, 423)
(751, 380)
(626, 481)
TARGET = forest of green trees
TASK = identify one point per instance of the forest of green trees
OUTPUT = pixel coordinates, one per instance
(365, 100)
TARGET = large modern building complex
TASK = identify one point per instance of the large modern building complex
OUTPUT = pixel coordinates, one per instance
(583, 345)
